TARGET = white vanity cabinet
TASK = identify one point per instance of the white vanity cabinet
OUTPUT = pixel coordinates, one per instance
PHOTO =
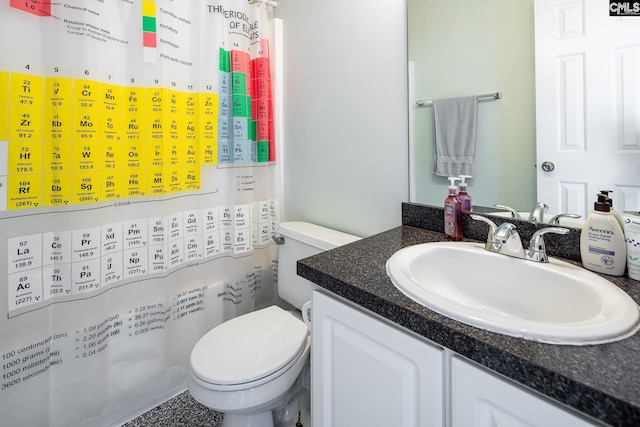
(480, 398)
(366, 372)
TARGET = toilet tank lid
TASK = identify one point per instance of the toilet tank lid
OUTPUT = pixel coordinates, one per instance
(315, 235)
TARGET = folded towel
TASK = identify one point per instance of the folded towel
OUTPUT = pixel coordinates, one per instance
(455, 135)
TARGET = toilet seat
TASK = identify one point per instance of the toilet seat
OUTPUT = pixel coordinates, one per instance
(249, 350)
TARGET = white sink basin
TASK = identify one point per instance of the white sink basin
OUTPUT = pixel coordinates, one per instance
(553, 302)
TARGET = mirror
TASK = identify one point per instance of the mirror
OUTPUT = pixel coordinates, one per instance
(466, 47)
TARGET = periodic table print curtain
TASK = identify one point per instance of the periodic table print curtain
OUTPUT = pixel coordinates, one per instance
(138, 195)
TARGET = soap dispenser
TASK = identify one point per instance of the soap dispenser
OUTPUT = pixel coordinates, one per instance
(452, 213)
(463, 194)
(615, 213)
(602, 243)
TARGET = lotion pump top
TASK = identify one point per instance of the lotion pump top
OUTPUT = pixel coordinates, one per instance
(452, 185)
(452, 213)
(605, 196)
(463, 194)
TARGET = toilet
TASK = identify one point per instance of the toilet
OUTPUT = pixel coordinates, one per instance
(256, 365)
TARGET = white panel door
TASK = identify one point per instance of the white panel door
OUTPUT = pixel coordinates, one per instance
(366, 372)
(587, 105)
(482, 399)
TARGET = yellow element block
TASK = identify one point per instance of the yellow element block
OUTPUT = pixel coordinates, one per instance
(57, 189)
(148, 8)
(173, 155)
(173, 110)
(173, 102)
(153, 125)
(112, 156)
(57, 156)
(24, 191)
(86, 188)
(26, 91)
(4, 123)
(154, 99)
(111, 185)
(111, 99)
(133, 126)
(4, 88)
(85, 157)
(85, 95)
(58, 93)
(156, 153)
(191, 154)
(24, 157)
(135, 183)
(156, 181)
(25, 124)
(191, 178)
(135, 154)
(134, 100)
(86, 123)
(191, 107)
(173, 180)
(110, 128)
(58, 124)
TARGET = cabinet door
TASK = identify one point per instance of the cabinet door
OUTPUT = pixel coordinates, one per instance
(482, 399)
(366, 372)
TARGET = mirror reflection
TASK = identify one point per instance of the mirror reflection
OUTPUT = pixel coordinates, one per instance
(459, 48)
(465, 47)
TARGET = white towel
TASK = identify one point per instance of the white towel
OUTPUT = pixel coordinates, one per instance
(455, 134)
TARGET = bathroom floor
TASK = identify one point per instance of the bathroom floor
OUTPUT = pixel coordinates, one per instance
(180, 411)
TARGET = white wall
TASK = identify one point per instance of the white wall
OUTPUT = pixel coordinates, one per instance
(345, 155)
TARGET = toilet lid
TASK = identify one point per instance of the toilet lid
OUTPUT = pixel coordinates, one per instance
(249, 347)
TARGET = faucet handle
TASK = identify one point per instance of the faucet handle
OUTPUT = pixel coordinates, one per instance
(514, 213)
(492, 230)
(537, 250)
(556, 219)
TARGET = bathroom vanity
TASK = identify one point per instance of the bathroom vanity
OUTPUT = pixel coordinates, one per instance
(376, 353)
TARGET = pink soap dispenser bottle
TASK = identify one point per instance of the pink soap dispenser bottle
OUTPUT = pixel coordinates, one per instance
(452, 213)
(463, 195)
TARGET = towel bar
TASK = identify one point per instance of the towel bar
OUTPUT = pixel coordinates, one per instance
(483, 96)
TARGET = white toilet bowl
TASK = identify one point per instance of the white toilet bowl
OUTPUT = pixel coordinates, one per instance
(236, 368)
(253, 365)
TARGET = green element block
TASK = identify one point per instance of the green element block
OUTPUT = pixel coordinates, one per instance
(238, 83)
(241, 105)
(252, 130)
(225, 60)
(149, 24)
(263, 151)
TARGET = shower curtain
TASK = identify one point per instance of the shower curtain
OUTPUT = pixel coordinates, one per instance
(138, 196)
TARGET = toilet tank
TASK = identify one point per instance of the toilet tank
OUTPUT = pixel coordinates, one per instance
(301, 240)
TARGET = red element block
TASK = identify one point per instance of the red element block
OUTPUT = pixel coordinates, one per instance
(250, 83)
(272, 146)
(263, 109)
(149, 39)
(261, 68)
(263, 88)
(262, 130)
(35, 7)
(240, 61)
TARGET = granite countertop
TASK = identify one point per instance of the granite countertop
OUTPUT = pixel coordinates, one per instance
(602, 381)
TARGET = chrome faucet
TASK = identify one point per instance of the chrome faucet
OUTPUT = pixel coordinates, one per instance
(538, 211)
(505, 239)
